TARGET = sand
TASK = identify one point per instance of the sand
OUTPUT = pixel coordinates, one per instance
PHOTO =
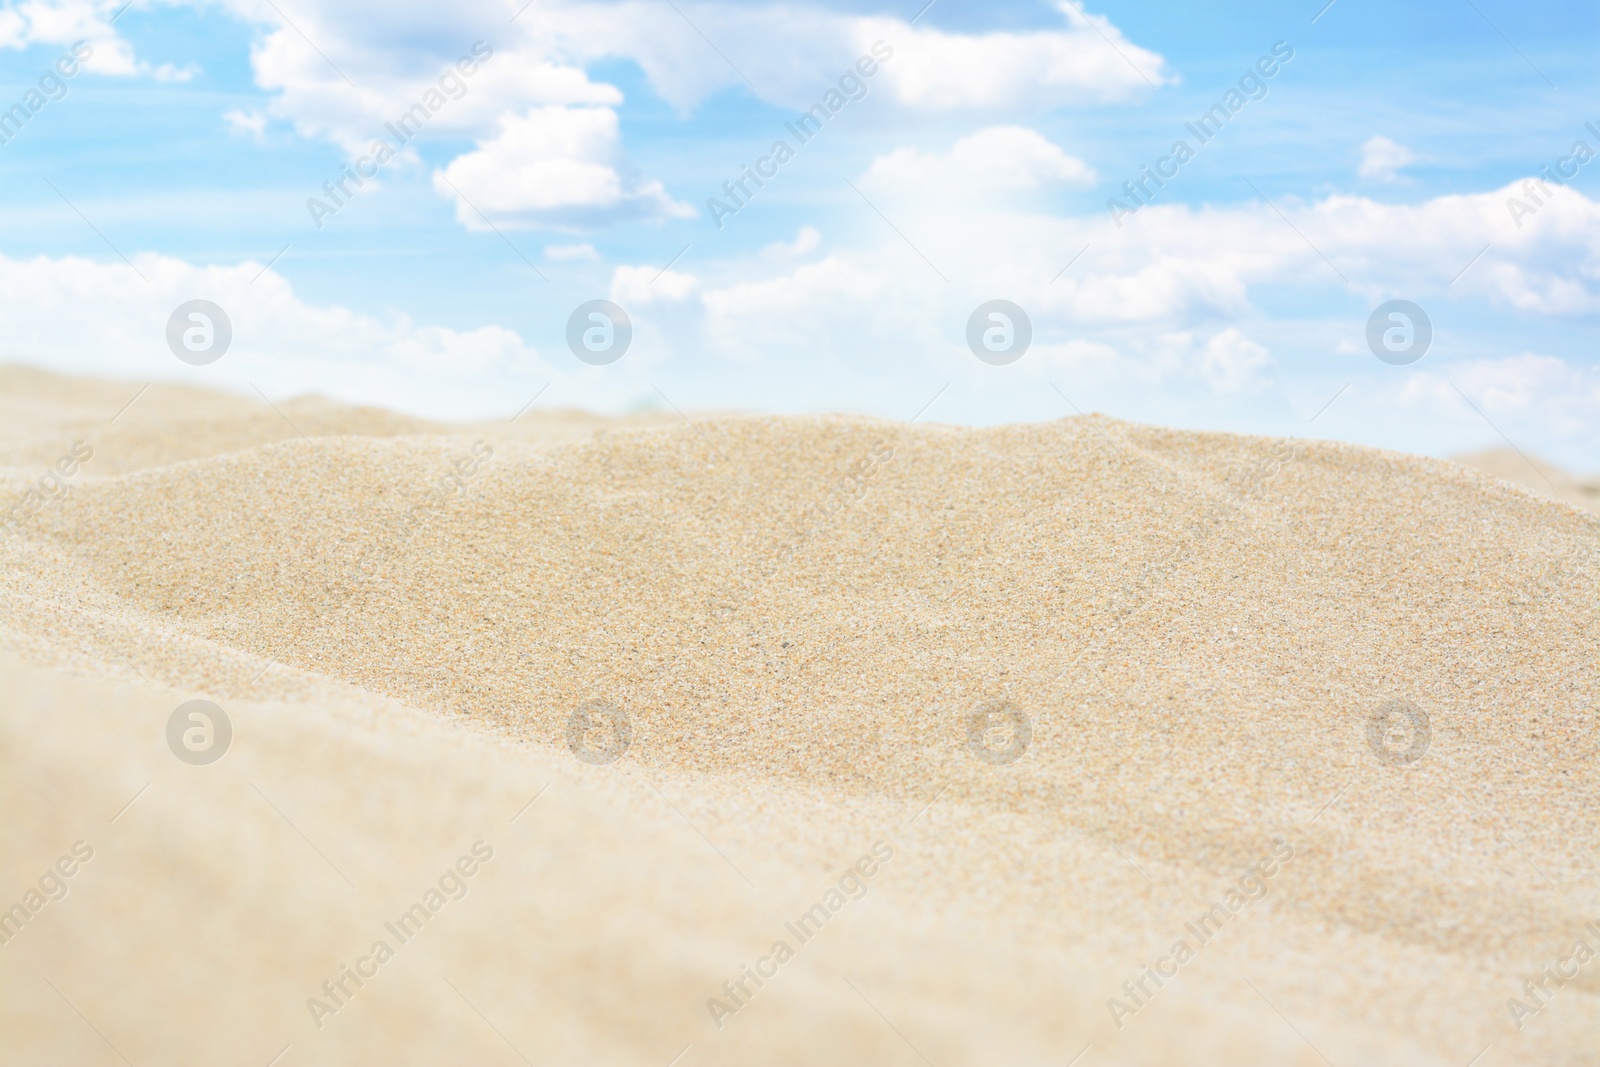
(1181, 638)
(1543, 478)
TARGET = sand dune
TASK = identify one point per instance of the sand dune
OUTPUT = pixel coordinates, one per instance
(1543, 478)
(1182, 639)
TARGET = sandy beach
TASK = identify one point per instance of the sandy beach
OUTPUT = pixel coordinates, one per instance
(582, 718)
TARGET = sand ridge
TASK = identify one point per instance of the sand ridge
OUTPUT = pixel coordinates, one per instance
(800, 616)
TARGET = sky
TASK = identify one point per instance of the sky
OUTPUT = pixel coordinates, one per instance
(561, 153)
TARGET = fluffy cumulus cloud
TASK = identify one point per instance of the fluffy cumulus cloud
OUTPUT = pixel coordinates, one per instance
(1089, 61)
(546, 134)
(1172, 295)
(64, 22)
(1230, 361)
(643, 286)
(1173, 266)
(1381, 159)
(830, 306)
(857, 306)
(1543, 403)
(251, 124)
(1213, 361)
(807, 240)
(1522, 387)
(1549, 264)
(998, 159)
(280, 341)
(350, 92)
(787, 54)
(557, 167)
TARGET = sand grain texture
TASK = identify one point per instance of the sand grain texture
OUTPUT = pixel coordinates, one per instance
(798, 615)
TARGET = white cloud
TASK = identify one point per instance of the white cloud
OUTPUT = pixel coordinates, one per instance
(473, 90)
(1523, 385)
(807, 240)
(1230, 361)
(569, 253)
(1172, 292)
(555, 166)
(640, 286)
(166, 72)
(840, 305)
(251, 124)
(1550, 265)
(66, 22)
(1225, 362)
(998, 159)
(793, 53)
(1090, 61)
(1544, 404)
(1381, 158)
(280, 341)
(372, 61)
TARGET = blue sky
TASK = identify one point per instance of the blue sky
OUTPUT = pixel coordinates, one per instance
(1377, 165)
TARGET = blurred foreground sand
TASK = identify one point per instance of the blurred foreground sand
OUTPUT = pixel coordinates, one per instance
(799, 615)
